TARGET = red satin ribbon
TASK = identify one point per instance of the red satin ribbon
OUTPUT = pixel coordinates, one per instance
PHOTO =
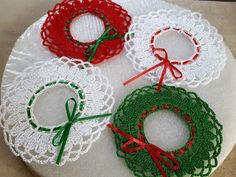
(155, 152)
(175, 72)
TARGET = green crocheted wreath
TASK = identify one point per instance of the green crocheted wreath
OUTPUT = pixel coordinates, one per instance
(199, 154)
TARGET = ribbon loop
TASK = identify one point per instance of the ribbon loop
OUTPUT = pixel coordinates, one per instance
(165, 62)
(57, 140)
(71, 115)
(176, 73)
(62, 134)
(157, 154)
(91, 50)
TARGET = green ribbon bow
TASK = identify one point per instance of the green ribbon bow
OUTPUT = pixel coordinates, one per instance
(64, 131)
(105, 36)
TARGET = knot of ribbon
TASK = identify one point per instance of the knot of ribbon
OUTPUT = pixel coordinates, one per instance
(106, 36)
(63, 132)
(166, 63)
(157, 154)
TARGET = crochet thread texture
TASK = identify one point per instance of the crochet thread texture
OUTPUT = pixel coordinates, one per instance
(31, 140)
(204, 66)
(197, 157)
(57, 37)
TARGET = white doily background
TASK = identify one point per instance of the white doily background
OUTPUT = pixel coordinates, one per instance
(101, 160)
(94, 93)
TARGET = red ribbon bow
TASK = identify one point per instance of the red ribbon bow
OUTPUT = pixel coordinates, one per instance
(155, 152)
(175, 72)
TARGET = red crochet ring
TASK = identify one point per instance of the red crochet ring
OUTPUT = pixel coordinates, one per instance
(56, 34)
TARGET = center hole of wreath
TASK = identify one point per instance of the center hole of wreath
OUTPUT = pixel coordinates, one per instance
(166, 130)
(178, 45)
(87, 27)
(49, 107)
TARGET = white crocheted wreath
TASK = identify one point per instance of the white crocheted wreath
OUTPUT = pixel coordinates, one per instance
(31, 140)
(202, 67)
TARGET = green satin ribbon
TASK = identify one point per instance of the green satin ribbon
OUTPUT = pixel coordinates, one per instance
(63, 132)
(104, 37)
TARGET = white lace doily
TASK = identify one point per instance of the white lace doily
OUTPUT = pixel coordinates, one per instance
(208, 57)
(94, 95)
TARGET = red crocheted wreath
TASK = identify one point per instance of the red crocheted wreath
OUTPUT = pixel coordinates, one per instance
(56, 34)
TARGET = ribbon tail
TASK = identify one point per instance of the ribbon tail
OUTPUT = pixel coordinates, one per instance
(125, 147)
(158, 165)
(142, 73)
(156, 155)
(93, 49)
(162, 78)
(128, 136)
(65, 137)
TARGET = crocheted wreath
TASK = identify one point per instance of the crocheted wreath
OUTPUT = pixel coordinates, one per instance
(196, 158)
(154, 62)
(56, 33)
(89, 97)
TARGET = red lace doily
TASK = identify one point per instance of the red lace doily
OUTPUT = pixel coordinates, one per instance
(56, 34)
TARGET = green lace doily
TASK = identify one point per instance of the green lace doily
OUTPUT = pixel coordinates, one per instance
(199, 154)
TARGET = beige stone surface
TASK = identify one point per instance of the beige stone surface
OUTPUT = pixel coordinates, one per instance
(16, 16)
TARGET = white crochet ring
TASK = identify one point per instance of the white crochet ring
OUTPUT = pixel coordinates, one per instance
(30, 139)
(206, 62)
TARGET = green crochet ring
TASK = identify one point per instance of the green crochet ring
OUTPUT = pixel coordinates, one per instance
(196, 158)
(31, 102)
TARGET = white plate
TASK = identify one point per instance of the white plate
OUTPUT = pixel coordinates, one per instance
(101, 160)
